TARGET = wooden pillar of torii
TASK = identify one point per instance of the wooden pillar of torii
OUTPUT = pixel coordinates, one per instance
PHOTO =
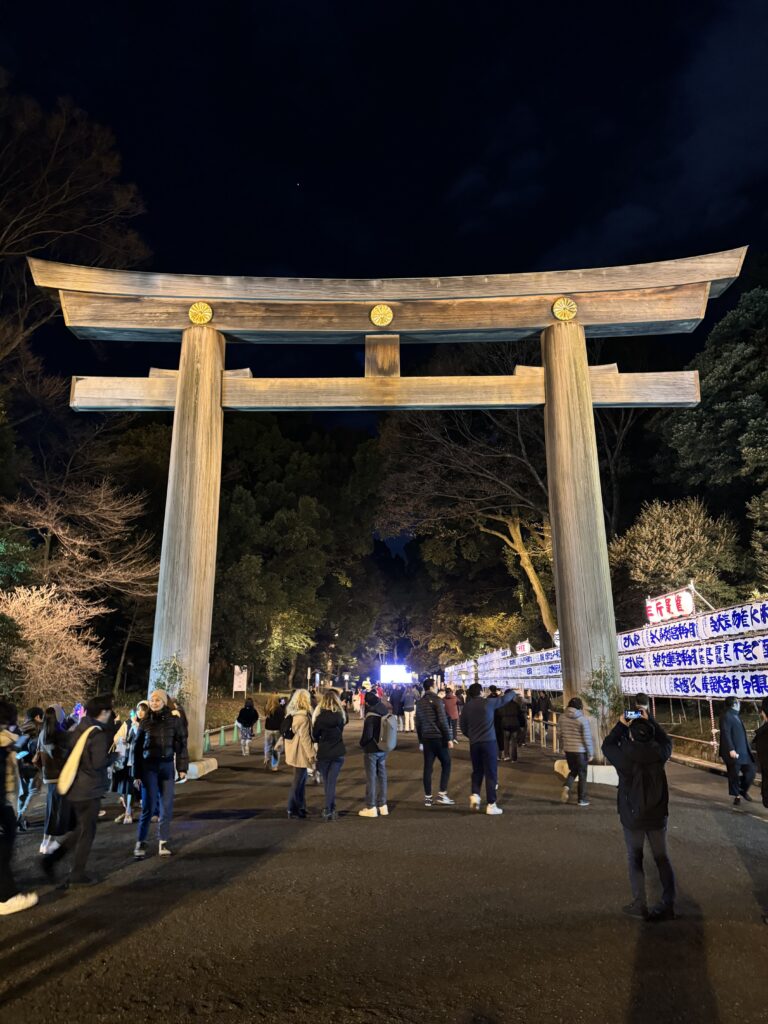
(203, 312)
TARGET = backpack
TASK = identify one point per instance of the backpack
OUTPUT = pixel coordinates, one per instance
(388, 733)
(286, 729)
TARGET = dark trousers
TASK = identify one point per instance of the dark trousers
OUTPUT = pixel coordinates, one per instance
(454, 724)
(86, 813)
(297, 801)
(330, 773)
(8, 887)
(740, 776)
(435, 749)
(510, 743)
(158, 781)
(58, 817)
(657, 839)
(577, 766)
(484, 757)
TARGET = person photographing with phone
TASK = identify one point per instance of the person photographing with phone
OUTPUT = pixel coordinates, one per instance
(638, 748)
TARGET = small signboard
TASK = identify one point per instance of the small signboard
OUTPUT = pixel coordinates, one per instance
(240, 681)
(523, 647)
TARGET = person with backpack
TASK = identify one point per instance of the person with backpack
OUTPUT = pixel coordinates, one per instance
(378, 738)
(247, 718)
(299, 752)
(84, 780)
(477, 722)
(576, 739)
(26, 749)
(159, 753)
(328, 721)
(409, 709)
(638, 750)
(12, 900)
(274, 714)
(435, 741)
(736, 752)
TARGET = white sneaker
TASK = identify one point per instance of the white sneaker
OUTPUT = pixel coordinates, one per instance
(44, 846)
(493, 809)
(21, 901)
(474, 802)
(163, 850)
(565, 795)
(53, 845)
(140, 851)
(128, 819)
(383, 810)
(443, 798)
(368, 812)
(119, 818)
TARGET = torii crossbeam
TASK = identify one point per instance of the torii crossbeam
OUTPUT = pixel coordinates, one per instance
(566, 306)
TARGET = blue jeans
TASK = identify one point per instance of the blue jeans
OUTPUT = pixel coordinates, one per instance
(157, 783)
(657, 839)
(375, 778)
(330, 772)
(485, 757)
(297, 802)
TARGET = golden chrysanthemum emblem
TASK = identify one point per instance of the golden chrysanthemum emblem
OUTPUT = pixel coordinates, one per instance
(382, 315)
(200, 313)
(564, 308)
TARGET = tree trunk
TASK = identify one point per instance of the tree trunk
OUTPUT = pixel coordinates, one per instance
(123, 653)
(516, 542)
(292, 672)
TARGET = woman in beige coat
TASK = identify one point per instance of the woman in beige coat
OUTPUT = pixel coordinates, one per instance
(299, 751)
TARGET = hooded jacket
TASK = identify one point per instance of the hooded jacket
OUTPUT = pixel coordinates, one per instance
(476, 719)
(327, 732)
(643, 796)
(575, 732)
(161, 736)
(369, 740)
(431, 719)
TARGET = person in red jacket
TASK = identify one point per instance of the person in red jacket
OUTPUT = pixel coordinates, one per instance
(452, 710)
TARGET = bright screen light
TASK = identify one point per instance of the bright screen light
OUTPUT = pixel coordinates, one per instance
(394, 674)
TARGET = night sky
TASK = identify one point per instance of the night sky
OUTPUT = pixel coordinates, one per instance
(369, 139)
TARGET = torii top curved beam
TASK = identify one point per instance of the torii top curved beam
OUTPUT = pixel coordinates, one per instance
(647, 298)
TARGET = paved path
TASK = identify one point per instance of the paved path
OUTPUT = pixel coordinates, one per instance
(430, 915)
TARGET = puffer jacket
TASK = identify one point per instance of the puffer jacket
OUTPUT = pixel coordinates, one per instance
(328, 734)
(299, 752)
(575, 732)
(431, 719)
(161, 736)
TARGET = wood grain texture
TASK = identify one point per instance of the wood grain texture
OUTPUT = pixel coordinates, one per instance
(188, 557)
(382, 355)
(104, 317)
(720, 268)
(585, 614)
(521, 391)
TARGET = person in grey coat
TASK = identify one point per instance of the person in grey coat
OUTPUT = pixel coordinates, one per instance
(736, 752)
(576, 740)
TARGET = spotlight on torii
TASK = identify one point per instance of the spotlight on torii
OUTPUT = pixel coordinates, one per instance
(203, 313)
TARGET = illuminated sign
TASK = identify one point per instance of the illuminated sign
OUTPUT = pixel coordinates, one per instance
(523, 648)
(394, 675)
(670, 606)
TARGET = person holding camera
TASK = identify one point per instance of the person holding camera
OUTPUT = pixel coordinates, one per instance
(638, 748)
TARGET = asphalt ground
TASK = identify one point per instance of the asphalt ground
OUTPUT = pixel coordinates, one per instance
(429, 915)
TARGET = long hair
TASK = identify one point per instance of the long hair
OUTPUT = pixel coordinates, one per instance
(330, 702)
(273, 703)
(300, 701)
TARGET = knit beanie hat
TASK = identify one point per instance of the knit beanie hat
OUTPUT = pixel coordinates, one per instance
(161, 694)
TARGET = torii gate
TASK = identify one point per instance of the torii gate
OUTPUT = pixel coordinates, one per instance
(203, 312)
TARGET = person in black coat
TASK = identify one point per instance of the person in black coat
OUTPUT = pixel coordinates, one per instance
(736, 752)
(760, 745)
(513, 723)
(89, 786)
(328, 723)
(12, 900)
(247, 718)
(638, 750)
(160, 751)
(436, 741)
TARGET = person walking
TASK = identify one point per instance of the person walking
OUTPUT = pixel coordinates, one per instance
(409, 709)
(53, 746)
(452, 710)
(299, 752)
(274, 713)
(26, 748)
(435, 740)
(374, 758)
(638, 750)
(160, 752)
(476, 722)
(512, 722)
(736, 752)
(576, 739)
(84, 780)
(328, 721)
(247, 719)
(12, 900)
(122, 775)
(396, 700)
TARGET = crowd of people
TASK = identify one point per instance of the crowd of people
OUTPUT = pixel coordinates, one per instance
(77, 758)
